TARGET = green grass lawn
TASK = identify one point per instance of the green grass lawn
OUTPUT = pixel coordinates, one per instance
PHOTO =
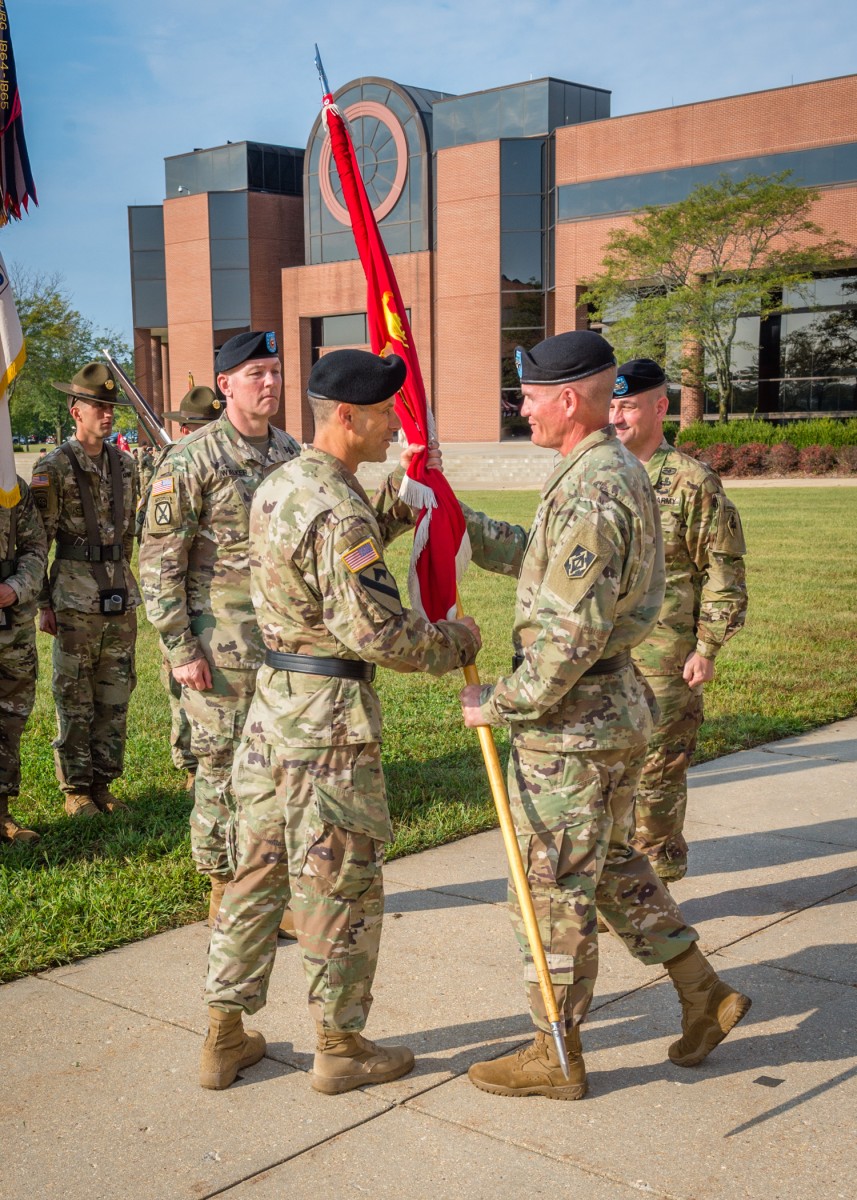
(92, 885)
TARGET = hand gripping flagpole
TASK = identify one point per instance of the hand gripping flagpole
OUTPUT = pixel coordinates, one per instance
(519, 875)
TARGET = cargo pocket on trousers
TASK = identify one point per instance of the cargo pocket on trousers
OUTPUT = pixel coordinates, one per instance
(348, 830)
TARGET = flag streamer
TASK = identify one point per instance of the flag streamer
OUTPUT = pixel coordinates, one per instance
(441, 549)
(16, 179)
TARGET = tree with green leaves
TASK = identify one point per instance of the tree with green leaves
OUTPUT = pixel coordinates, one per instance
(675, 284)
(59, 340)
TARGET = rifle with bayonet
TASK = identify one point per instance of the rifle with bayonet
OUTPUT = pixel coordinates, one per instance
(148, 418)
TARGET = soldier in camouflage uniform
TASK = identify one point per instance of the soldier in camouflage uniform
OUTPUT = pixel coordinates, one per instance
(590, 586)
(704, 605)
(86, 493)
(313, 816)
(23, 558)
(197, 408)
(195, 574)
(145, 469)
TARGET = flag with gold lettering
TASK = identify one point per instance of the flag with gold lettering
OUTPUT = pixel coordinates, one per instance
(441, 545)
(17, 188)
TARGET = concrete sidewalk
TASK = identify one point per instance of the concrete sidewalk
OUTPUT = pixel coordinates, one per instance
(98, 1090)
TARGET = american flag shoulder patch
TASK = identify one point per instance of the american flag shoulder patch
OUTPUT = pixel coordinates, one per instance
(360, 556)
(163, 487)
(40, 481)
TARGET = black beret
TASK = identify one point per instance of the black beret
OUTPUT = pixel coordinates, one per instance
(243, 347)
(356, 377)
(565, 358)
(638, 375)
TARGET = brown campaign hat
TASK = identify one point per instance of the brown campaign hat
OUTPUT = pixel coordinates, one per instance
(93, 382)
(198, 407)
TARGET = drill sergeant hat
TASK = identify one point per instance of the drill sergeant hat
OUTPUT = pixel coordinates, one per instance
(198, 407)
(95, 383)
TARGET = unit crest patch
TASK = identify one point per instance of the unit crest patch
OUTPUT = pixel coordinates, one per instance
(579, 562)
(163, 512)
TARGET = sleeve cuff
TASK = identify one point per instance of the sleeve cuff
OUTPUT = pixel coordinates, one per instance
(707, 649)
(186, 650)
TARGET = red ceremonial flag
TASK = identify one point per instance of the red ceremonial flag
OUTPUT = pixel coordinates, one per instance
(16, 180)
(122, 442)
(441, 545)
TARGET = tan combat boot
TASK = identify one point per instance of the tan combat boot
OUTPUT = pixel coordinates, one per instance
(80, 804)
(709, 1007)
(218, 887)
(287, 925)
(104, 800)
(227, 1049)
(535, 1070)
(345, 1061)
(10, 830)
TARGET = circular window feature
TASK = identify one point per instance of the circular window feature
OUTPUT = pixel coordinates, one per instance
(382, 154)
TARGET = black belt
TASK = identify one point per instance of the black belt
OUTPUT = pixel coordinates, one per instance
(604, 666)
(308, 664)
(86, 552)
(8, 566)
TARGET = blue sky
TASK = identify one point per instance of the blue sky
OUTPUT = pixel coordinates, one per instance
(111, 87)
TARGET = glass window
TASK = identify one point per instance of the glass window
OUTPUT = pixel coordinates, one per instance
(521, 166)
(346, 329)
(149, 264)
(397, 238)
(230, 296)
(521, 212)
(227, 215)
(150, 303)
(523, 310)
(815, 344)
(230, 252)
(147, 227)
(834, 291)
(535, 108)
(374, 91)
(521, 257)
(338, 247)
(818, 167)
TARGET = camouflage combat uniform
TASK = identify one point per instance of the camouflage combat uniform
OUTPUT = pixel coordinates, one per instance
(313, 816)
(93, 654)
(22, 567)
(704, 605)
(146, 466)
(590, 585)
(181, 753)
(195, 572)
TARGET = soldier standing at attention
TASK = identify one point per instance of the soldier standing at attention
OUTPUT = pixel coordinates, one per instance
(704, 605)
(590, 587)
(86, 493)
(197, 408)
(195, 572)
(23, 558)
(313, 815)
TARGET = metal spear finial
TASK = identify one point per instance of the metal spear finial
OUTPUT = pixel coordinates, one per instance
(325, 86)
(559, 1042)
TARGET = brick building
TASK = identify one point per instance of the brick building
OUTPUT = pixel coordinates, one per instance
(494, 207)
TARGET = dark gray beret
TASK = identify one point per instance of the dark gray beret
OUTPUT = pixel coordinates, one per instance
(565, 358)
(243, 347)
(356, 377)
(638, 375)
